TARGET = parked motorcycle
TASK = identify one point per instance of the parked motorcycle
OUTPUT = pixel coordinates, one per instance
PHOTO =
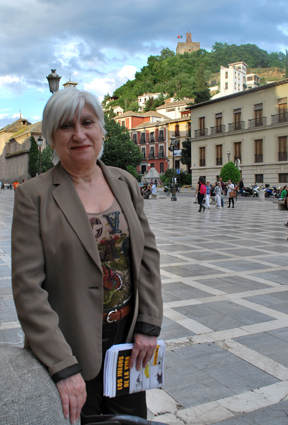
(268, 191)
(247, 191)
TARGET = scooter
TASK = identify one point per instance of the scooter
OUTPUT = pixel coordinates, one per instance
(268, 192)
(255, 190)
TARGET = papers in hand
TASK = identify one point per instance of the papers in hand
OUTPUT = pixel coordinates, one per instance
(120, 380)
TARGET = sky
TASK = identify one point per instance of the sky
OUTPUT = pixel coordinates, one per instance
(100, 45)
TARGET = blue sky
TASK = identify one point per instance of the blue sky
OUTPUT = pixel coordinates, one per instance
(101, 44)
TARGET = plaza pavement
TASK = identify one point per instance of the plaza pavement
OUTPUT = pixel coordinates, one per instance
(225, 291)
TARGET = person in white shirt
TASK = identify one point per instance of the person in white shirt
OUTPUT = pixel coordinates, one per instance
(230, 187)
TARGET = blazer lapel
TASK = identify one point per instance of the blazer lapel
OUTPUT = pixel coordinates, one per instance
(69, 202)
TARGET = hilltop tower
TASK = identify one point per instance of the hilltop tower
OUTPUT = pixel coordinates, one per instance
(188, 45)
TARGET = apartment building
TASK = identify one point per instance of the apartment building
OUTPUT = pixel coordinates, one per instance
(249, 127)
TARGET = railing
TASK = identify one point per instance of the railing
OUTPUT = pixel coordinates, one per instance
(201, 132)
(161, 155)
(282, 156)
(233, 126)
(151, 155)
(152, 140)
(142, 141)
(176, 134)
(259, 157)
(218, 161)
(238, 157)
(134, 140)
(218, 129)
(279, 118)
(257, 122)
(202, 163)
(161, 138)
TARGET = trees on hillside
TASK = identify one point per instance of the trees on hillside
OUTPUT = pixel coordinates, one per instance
(119, 150)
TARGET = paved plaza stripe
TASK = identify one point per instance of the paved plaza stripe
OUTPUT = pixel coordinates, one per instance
(9, 325)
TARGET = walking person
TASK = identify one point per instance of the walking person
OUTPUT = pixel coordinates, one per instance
(218, 193)
(85, 267)
(230, 190)
(241, 187)
(207, 197)
(201, 190)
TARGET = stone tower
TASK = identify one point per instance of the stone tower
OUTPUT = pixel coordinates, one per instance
(187, 46)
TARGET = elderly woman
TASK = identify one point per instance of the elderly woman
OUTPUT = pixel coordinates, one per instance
(85, 267)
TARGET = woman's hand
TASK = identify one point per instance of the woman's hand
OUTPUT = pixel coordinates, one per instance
(73, 396)
(144, 346)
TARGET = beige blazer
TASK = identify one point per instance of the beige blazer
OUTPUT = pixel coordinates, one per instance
(57, 273)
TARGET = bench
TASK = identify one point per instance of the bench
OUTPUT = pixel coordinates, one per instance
(281, 205)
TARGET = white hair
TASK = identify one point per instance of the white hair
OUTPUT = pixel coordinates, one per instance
(62, 106)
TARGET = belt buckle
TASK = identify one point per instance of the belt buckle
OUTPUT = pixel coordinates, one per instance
(108, 316)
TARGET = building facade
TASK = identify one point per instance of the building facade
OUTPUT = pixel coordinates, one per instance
(249, 127)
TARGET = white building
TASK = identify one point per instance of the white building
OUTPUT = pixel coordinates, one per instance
(146, 96)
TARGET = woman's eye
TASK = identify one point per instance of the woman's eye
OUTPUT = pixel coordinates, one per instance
(87, 122)
(65, 125)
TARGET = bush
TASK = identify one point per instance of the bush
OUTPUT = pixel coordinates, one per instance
(229, 171)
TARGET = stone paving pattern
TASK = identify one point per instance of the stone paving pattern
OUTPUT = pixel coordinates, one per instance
(224, 275)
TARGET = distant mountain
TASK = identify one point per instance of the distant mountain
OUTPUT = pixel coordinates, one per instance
(188, 75)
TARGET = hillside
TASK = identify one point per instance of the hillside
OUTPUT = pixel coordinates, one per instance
(189, 75)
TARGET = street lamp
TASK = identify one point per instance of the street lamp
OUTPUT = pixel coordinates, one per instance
(172, 148)
(228, 154)
(40, 141)
(53, 81)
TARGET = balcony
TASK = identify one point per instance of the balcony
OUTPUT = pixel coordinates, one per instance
(151, 155)
(161, 138)
(134, 140)
(142, 140)
(161, 155)
(217, 129)
(282, 156)
(259, 157)
(152, 140)
(202, 163)
(219, 161)
(176, 134)
(201, 132)
(257, 122)
(233, 126)
(279, 118)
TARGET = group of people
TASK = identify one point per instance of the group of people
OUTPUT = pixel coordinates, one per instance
(203, 191)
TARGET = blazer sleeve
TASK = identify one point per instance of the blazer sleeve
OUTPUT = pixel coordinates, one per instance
(38, 320)
(149, 284)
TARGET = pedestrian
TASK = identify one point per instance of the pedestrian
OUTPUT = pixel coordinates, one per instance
(207, 198)
(201, 190)
(223, 186)
(230, 193)
(218, 193)
(85, 267)
(241, 186)
(15, 184)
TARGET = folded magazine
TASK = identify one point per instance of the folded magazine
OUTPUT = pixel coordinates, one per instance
(120, 380)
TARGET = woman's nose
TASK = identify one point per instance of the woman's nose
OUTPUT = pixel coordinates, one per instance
(79, 133)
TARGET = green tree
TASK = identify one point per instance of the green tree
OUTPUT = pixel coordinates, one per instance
(132, 171)
(46, 158)
(186, 153)
(229, 171)
(119, 150)
(33, 166)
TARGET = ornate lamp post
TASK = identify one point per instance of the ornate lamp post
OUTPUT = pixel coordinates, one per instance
(53, 81)
(172, 149)
(40, 141)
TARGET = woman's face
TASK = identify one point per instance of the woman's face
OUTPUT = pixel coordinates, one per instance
(78, 142)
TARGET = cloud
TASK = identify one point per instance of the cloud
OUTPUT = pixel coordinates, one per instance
(117, 78)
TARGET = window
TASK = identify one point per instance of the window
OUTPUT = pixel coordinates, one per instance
(218, 118)
(226, 86)
(143, 151)
(237, 119)
(152, 165)
(161, 167)
(177, 163)
(258, 114)
(235, 86)
(161, 136)
(282, 109)
(258, 151)
(282, 154)
(123, 123)
(218, 154)
(161, 151)
(202, 157)
(259, 178)
(177, 134)
(151, 152)
(143, 138)
(143, 169)
(202, 126)
(283, 177)
(152, 138)
(134, 138)
(226, 74)
(237, 150)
